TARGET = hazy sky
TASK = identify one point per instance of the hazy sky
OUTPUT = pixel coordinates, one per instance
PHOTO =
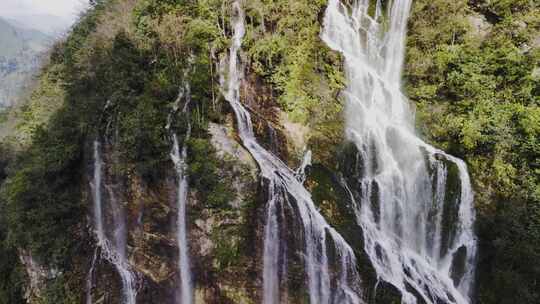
(62, 8)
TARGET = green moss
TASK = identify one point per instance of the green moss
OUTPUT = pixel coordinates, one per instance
(210, 175)
(62, 290)
(11, 270)
(476, 95)
(304, 75)
(228, 248)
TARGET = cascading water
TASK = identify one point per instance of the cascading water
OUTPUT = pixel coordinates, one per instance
(415, 202)
(115, 251)
(282, 185)
(179, 157)
(90, 278)
(306, 162)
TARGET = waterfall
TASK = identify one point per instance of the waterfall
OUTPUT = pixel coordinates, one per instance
(301, 171)
(113, 251)
(285, 189)
(90, 278)
(415, 203)
(179, 157)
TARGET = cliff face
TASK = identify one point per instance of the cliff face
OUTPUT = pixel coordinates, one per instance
(134, 76)
(222, 247)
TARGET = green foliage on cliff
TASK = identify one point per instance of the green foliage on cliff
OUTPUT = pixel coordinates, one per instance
(115, 77)
(472, 71)
(213, 187)
(11, 278)
(11, 272)
(41, 196)
(284, 49)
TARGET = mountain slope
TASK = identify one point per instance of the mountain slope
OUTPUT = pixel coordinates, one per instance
(89, 203)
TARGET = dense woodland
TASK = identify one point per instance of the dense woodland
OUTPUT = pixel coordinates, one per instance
(472, 71)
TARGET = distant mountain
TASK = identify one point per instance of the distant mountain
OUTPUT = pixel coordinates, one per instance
(20, 52)
(49, 24)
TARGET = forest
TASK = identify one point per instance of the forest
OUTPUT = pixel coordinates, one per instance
(132, 75)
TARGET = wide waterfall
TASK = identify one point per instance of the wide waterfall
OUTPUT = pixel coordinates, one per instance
(284, 189)
(415, 203)
(179, 157)
(113, 251)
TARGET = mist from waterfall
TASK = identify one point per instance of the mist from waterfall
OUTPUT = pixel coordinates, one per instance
(285, 190)
(114, 249)
(415, 202)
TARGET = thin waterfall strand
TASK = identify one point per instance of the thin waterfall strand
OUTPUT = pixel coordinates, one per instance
(282, 182)
(115, 251)
(90, 277)
(179, 157)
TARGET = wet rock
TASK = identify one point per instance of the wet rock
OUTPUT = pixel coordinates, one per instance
(225, 144)
(480, 26)
(37, 275)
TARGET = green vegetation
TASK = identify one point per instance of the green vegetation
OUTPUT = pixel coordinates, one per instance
(42, 201)
(210, 175)
(284, 50)
(116, 77)
(60, 291)
(471, 71)
(11, 278)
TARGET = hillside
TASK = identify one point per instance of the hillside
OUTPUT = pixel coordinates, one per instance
(277, 152)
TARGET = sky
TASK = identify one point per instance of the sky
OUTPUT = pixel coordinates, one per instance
(61, 8)
(66, 10)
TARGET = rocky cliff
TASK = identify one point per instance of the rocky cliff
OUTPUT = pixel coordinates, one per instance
(115, 94)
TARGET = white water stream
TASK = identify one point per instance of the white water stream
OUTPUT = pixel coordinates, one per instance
(113, 251)
(282, 184)
(416, 206)
(179, 157)
(90, 278)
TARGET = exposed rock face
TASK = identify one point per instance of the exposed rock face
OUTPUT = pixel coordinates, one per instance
(226, 146)
(536, 73)
(37, 276)
(297, 134)
(225, 221)
(224, 248)
(536, 42)
(150, 244)
(480, 25)
(223, 240)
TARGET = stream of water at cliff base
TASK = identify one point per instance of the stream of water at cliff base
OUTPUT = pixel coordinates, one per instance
(179, 157)
(113, 251)
(415, 203)
(282, 184)
(90, 278)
